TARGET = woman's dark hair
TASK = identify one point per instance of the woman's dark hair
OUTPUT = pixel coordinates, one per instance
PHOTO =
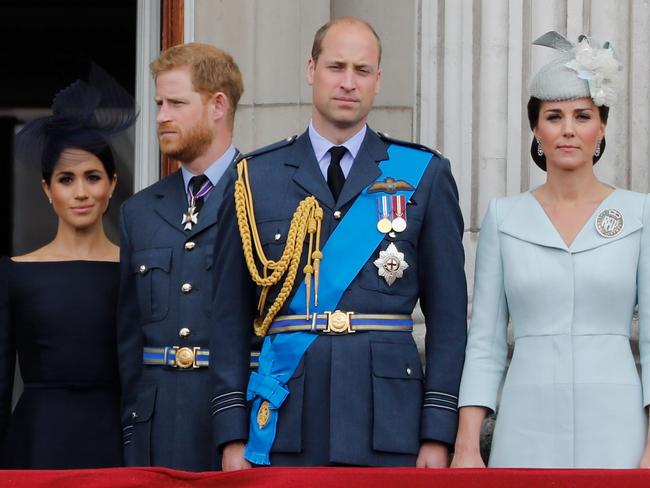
(105, 155)
(534, 106)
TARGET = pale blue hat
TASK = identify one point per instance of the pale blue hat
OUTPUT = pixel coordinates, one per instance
(581, 70)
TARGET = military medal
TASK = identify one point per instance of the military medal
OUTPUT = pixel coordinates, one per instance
(383, 214)
(609, 222)
(190, 218)
(195, 200)
(391, 264)
(399, 213)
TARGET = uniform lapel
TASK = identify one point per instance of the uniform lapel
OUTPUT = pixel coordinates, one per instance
(364, 169)
(208, 214)
(308, 175)
(172, 200)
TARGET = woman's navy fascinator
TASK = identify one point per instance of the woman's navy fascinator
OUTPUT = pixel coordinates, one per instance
(85, 115)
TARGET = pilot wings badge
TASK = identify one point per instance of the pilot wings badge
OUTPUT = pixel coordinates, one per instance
(390, 185)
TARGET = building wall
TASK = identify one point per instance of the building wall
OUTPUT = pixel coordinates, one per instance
(271, 41)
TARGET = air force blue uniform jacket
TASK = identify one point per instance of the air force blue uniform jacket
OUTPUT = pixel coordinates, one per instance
(165, 298)
(361, 398)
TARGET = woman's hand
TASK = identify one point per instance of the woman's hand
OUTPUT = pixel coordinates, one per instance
(645, 458)
(467, 452)
(467, 459)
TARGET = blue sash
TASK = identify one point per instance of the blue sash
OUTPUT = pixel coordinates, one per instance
(352, 242)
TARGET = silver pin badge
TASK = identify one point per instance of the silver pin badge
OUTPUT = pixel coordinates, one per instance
(609, 222)
(391, 264)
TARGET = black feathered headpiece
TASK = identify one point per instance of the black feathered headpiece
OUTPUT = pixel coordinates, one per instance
(85, 115)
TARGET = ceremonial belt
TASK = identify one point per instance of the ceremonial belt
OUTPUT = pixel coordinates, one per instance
(339, 322)
(176, 356)
(353, 241)
(184, 357)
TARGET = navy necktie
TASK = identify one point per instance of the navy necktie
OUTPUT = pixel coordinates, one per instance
(199, 187)
(335, 176)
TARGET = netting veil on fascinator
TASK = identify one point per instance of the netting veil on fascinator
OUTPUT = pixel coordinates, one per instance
(85, 115)
(582, 70)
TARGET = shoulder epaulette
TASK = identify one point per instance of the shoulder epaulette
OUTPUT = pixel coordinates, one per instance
(414, 145)
(271, 147)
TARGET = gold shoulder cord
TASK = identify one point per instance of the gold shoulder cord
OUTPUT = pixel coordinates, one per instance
(306, 220)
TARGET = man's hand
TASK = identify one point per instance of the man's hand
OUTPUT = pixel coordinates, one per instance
(232, 458)
(433, 455)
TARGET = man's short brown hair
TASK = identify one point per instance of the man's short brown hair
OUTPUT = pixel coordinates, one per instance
(317, 46)
(212, 70)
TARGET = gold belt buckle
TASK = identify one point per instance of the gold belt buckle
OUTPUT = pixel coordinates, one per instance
(339, 322)
(185, 357)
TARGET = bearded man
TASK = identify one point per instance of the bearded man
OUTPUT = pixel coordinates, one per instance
(167, 240)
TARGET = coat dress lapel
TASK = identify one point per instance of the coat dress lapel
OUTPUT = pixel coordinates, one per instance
(527, 221)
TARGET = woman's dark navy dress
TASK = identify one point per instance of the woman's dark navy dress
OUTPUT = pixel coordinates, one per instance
(60, 319)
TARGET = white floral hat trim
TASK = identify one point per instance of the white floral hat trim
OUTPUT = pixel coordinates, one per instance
(600, 68)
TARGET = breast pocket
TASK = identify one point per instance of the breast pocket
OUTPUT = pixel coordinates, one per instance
(399, 259)
(273, 237)
(397, 397)
(152, 276)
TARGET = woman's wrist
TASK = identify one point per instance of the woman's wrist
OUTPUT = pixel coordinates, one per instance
(466, 446)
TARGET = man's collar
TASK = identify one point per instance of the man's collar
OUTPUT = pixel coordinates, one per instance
(321, 145)
(215, 171)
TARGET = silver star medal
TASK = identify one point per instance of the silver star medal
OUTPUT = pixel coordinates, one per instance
(391, 264)
(190, 218)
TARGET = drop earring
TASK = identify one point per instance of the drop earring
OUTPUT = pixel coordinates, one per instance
(540, 151)
(597, 151)
(49, 200)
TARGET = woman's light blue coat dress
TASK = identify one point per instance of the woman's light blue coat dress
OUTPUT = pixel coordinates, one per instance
(572, 395)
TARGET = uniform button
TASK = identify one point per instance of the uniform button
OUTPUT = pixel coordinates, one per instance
(186, 288)
(184, 332)
(392, 234)
(134, 415)
(277, 236)
(337, 214)
(189, 245)
(408, 371)
(142, 268)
